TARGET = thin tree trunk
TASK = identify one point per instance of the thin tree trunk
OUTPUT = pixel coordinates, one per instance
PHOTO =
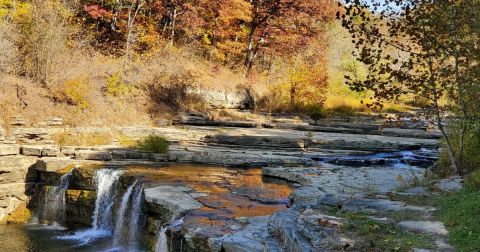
(461, 93)
(450, 150)
(174, 17)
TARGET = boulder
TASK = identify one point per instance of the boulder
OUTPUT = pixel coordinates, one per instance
(175, 199)
(431, 227)
(254, 237)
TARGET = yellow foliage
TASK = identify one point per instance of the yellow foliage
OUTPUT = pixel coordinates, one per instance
(116, 86)
(76, 92)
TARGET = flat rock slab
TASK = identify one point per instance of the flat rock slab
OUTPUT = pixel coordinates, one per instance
(9, 149)
(41, 151)
(448, 185)
(93, 155)
(431, 227)
(53, 164)
(176, 199)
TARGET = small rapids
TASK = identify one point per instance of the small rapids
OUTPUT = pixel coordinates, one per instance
(423, 158)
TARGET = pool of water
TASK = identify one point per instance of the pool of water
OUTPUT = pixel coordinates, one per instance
(227, 194)
(20, 238)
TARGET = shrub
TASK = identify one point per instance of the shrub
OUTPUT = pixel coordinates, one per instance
(74, 92)
(470, 160)
(176, 91)
(344, 110)
(156, 144)
(472, 182)
(116, 86)
(317, 113)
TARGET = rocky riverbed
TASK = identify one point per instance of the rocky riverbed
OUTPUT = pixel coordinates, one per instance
(276, 186)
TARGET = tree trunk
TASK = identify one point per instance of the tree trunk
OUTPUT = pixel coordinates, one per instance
(174, 17)
(450, 150)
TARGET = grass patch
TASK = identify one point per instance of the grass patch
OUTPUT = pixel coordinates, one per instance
(156, 144)
(82, 139)
(378, 236)
(460, 212)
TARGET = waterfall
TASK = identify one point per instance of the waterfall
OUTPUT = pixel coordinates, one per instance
(105, 181)
(54, 205)
(162, 245)
(128, 216)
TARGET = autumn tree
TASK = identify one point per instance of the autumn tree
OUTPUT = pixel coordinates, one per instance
(420, 47)
(284, 26)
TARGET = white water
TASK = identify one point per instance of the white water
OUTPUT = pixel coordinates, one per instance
(128, 216)
(105, 183)
(54, 205)
(162, 244)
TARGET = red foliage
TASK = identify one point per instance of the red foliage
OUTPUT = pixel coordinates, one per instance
(95, 11)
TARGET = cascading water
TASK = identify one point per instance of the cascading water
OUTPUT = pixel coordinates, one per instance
(128, 217)
(105, 182)
(162, 244)
(54, 205)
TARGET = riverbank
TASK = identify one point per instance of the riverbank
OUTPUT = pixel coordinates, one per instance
(345, 183)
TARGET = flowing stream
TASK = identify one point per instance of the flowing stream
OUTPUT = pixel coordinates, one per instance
(126, 228)
(105, 184)
(162, 245)
(54, 205)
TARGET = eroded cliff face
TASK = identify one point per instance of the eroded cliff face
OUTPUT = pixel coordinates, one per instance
(17, 177)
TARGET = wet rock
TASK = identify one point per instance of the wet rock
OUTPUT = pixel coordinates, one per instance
(119, 154)
(417, 191)
(9, 149)
(319, 228)
(448, 185)
(80, 206)
(174, 199)
(282, 226)
(430, 227)
(254, 237)
(134, 155)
